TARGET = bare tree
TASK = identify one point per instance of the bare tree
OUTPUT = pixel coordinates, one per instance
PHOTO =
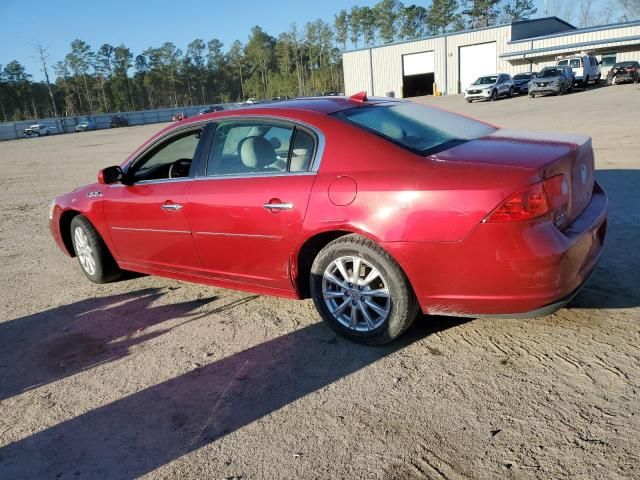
(563, 9)
(585, 13)
(43, 55)
(631, 9)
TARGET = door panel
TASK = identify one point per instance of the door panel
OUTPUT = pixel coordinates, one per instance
(239, 239)
(148, 224)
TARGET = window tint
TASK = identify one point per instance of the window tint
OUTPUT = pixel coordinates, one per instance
(172, 159)
(575, 63)
(563, 62)
(418, 128)
(241, 148)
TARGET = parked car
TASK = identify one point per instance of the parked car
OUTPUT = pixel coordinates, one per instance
(178, 116)
(585, 67)
(36, 130)
(521, 81)
(280, 98)
(624, 72)
(211, 109)
(118, 121)
(555, 80)
(466, 219)
(490, 87)
(85, 124)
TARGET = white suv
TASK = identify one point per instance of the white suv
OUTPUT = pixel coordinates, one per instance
(585, 67)
(490, 87)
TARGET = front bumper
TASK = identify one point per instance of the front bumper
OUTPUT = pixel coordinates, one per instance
(554, 89)
(478, 95)
(512, 269)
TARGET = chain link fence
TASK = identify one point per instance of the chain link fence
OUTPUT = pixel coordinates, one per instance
(13, 130)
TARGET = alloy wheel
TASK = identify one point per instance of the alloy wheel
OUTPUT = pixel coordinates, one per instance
(84, 251)
(356, 294)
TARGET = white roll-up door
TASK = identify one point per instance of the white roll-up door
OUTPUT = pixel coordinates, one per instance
(417, 63)
(476, 60)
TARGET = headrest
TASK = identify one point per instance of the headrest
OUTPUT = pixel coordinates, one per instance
(257, 153)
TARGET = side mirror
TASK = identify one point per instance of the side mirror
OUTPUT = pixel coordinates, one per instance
(110, 175)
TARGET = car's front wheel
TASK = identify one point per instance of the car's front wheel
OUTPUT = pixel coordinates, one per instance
(494, 95)
(92, 253)
(361, 292)
(511, 92)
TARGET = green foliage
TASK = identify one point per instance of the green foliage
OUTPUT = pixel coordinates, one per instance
(298, 62)
(515, 10)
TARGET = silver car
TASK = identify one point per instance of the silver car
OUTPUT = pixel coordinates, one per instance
(554, 80)
(490, 87)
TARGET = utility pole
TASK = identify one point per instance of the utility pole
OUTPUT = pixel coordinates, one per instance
(42, 53)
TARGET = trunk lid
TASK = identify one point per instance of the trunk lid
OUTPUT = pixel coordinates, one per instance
(546, 153)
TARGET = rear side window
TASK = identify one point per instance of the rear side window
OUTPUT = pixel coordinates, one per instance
(418, 128)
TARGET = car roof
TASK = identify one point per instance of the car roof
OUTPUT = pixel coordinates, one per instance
(322, 105)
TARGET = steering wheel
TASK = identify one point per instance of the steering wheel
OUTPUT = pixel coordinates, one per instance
(180, 168)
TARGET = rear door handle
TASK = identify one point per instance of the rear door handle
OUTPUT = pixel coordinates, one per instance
(278, 206)
(171, 207)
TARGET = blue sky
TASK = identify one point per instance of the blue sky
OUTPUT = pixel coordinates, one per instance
(142, 24)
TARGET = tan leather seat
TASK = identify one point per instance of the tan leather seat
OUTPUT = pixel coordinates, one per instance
(302, 153)
(256, 153)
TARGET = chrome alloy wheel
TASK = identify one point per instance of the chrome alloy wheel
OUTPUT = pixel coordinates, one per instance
(84, 252)
(356, 294)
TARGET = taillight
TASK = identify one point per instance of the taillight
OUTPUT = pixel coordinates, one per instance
(534, 201)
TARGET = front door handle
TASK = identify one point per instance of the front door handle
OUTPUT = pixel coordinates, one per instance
(278, 206)
(171, 207)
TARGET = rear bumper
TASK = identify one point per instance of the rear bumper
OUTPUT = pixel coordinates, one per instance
(514, 269)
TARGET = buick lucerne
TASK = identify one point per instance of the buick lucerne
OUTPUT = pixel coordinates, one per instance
(375, 208)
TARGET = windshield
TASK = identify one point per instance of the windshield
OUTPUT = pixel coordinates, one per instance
(550, 72)
(522, 76)
(418, 128)
(486, 80)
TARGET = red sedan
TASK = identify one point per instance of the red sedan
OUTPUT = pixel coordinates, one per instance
(374, 208)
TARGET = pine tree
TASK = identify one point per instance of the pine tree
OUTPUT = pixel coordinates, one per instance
(515, 10)
(441, 15)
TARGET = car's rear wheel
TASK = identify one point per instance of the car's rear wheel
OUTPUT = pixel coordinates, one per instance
(93, 255)
(361, 292)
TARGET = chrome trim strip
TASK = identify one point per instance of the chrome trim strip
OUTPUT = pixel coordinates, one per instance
(255, 175)
(246, 235)
(153, 182)
(154, 230)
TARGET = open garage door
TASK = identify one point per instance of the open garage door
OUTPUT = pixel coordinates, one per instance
(476, 60)
(417, 74)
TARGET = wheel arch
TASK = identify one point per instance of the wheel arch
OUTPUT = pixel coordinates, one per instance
(65, 229)
(303, 259)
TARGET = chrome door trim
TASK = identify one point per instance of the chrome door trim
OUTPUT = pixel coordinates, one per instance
(153, 182)
(152, 230)
(244, 235)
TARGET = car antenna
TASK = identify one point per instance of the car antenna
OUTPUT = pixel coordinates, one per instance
(359, 97)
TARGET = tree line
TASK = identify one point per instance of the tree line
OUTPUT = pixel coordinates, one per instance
(298, 62)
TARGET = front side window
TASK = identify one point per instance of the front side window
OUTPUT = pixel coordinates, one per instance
(259, 147)
(420, 129)
(575, 63)
(608, 60)
(171, 159)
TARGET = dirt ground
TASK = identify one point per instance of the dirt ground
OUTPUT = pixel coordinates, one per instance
(156, 378)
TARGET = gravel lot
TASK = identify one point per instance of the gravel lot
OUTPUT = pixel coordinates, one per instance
(163, 379)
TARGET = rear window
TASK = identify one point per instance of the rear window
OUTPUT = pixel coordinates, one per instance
(625, 64)
(418, 128)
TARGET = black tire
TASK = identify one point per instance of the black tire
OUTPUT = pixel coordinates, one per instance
(106, 268)
(468, 100)
(494, 96)
(563, 89)
(403, 304)
(511, 90)
(531, 95)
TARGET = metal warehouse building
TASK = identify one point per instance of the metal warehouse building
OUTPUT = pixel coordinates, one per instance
(450, 62)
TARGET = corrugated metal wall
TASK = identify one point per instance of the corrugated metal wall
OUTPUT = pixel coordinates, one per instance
(386, 75)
